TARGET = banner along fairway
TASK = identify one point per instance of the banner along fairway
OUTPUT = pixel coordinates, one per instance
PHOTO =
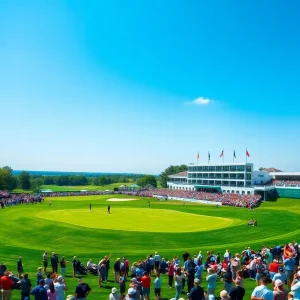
(158, 220)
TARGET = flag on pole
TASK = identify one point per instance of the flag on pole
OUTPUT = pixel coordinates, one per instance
(222, 153)
(247, 153)
(234, 156)
(198, 156)
(208, 156)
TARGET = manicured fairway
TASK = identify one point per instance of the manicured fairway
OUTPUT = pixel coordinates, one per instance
(161, 220)
(66, 228)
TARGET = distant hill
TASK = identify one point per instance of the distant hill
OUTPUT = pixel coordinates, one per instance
(58, 173)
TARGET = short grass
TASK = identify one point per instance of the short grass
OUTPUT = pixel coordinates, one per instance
(24, 232)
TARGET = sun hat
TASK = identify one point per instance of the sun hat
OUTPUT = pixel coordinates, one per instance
(59, 278)
(196, 280)
(131, 291)
(113, 290)
(223, 294)
(278, 282)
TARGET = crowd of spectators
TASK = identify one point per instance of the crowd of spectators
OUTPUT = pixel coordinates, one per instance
(285, 182)
(198, 276)
(238, 200)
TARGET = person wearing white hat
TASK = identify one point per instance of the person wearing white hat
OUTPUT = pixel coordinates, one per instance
(114, 295)
(295, 287)
(130, 294)
(60, 288)
(279, 292)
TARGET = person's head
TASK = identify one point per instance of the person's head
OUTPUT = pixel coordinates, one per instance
(278, 284)
(20, 257)
(237, 282)
(196, 281)
(118, 259)
(157, 274)
(280, 269)
(45, 252)
(264, 280)
(131, 292)
(74, 257)
(239, 273)
(40, 269)
(42, 282)
(80, 280)
(48, 275)
(146, 273)
(63, 258)
(6, 273)
(60, 279)
(223, 294)
(210, 271)
(178, 271)
(113, 290)
(25, 276)
(51, 287)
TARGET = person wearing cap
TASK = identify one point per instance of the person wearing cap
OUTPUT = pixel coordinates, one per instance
(289, 266)
(25, 286)
(273, 268)
(113, 295)
(197, 292)
(279, 292)
(6, 286)
(280, 275)
(60, 288)
(20, 267)
(295, 287)
(82, 290)
(262, 292)
(237, 292)
(224, 295)
(259, 270)
(156, 261)
(178, 277)
(39, 291)
(130, 294)
(39, 275)
(137, 285)
(211, 281)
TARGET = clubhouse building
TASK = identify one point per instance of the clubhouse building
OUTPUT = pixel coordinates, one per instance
(236, 178)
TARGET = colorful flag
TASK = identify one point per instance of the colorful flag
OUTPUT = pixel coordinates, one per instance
(222, 153)
(198, 156)
(247, 153)
(234, 156)
(208, 156)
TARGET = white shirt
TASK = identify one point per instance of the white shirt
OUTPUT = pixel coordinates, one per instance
(114, 296)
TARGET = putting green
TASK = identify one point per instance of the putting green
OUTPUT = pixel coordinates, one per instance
(137, 219)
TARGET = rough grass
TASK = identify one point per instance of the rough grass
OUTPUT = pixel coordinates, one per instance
(23, 233)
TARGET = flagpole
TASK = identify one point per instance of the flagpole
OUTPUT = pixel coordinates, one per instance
(233, 157)
(223, 156)
(246, 155)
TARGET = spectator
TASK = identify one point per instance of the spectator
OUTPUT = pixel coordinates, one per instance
(279, 292)
(82, 290)
(25, 286)
(146, 281)
(51, 293)
(113, 295)
(237, 292)
(39, 291)
(157, 287)
(60, 288)
(6, 284)
(262, 291)
(197, 292)
(211, 281)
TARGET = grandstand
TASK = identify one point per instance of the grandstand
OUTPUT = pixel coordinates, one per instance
(235, 184)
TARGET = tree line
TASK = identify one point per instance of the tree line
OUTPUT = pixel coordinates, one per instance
(26, 181)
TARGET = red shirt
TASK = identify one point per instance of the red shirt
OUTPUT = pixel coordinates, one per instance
(273, 267)
(6, 283)
(146, 280)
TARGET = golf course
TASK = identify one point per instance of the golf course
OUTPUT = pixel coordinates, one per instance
(69, 227)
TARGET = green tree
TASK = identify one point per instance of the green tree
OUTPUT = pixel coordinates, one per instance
(169, 171)
(36, 184)
(24, 180)
(7, 180)
(147, 179)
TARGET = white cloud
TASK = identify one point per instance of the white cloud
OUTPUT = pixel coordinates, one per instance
(202, 101)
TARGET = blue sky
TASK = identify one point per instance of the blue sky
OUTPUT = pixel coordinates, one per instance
(135, 86)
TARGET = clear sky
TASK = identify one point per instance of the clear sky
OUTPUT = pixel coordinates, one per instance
(135, 86)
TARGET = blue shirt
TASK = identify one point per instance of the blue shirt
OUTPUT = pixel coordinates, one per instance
(211, 281)
(157, 283)
(296, 289)
(199, 270)
(39, 293)
(282, 277)
(289, 264)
